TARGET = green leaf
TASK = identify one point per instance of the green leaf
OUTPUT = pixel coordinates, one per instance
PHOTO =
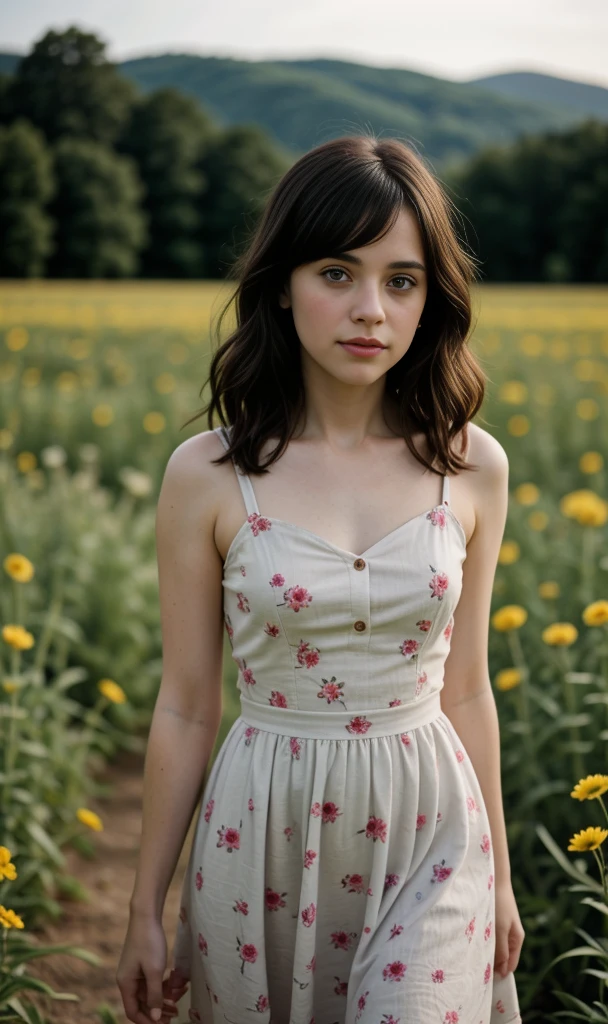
(44, 840)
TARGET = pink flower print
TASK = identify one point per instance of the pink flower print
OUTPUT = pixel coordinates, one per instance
(271, 630)
(438, 584)
(437, 516)
(313, 964)
(342, 940)
(500, 1006)
(488, 931)
(376, 828)
(405, 739)
(470, 929)
(307, 655)
(248, 676)
(438, 976)
(194, 1015)
(395, 931)
(329, 811)
(460, 756)
(387, 1018)
(451, 1017)
(487, 974)
(424, 625)
(369, 891)
(247, 952)
(229, 837)
(277, 699)
(331, 691)
(485, 844)
(241, 907)
(309, 856)
(358, 725)
(249, 732)
(262, 1004)
(441, 872)
(242, 602)
(258, 523)
(361, 1004)
(395, 971)
(295, 746)
(354, 883)
(243, 570)
(471, 804)
(228, 625)
(448, 629)
(315, 810)
(409, 648)
(198, 880)
(420, 821)
(308, 914)
(202, 945)
(341, 987)
(394, 703)
(278, 580)
(390, 881)
(297, 597)
(439, 816)
(209, 808)
(250, 805)
(183, 914)
(288, 832)
(420, 681)
(490, 881)
(273, 899)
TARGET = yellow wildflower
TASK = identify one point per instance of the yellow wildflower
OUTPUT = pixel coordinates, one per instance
(90, 819)
(154, 422)
(591, 787)
(9, 919)
(590, 462)
(112, 691)
(588, 839)
(507, 678)
(509, 552)
(18, 567)
(518, 425)
(510, 616)
(7, 868)
(527, 494)
(102, 415)
(17, 637)
(26, 461)
(538, 520)
(585, 506)
(549, 589)
(596, 614)
(513, 392)
(560, 634)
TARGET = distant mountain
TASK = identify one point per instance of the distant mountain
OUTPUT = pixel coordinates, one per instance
(589, 100)
(301, 103)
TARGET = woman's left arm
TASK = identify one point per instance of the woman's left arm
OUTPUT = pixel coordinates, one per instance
(467, 697)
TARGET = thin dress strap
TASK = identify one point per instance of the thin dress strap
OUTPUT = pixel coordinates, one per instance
(445, 497)
(244, 480)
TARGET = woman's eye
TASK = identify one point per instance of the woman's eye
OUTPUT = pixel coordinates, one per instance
(338, 270)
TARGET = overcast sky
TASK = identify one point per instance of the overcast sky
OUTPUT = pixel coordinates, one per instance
(456, 39)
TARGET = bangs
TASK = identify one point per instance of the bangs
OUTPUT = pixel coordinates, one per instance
(358, 208)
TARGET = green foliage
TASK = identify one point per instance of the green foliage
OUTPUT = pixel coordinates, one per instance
(66, 86)
(100, 227)
(26, 186)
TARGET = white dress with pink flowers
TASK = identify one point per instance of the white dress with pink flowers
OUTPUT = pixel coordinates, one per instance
(342, 866)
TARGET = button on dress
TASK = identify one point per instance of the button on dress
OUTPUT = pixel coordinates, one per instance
(342, 867)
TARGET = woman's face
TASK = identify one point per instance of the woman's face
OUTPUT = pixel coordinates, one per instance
(358, 294)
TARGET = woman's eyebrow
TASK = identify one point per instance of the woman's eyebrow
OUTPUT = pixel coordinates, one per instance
(396, 265)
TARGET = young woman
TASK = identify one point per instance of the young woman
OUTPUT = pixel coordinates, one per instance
(349, 862)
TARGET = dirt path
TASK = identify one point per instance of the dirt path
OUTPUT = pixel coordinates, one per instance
(100, 926)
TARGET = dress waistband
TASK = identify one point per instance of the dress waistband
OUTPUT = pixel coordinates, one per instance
(345, 725)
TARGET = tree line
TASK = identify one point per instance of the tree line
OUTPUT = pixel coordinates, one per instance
(98, 180)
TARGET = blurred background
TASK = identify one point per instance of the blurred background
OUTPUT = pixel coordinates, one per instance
(138, 146)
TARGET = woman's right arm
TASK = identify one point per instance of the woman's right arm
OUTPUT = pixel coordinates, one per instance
(188, 707)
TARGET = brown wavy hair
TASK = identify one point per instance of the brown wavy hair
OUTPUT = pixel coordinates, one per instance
(341, 195)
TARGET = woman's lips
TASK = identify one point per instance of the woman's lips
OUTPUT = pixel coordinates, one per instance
(361, 350)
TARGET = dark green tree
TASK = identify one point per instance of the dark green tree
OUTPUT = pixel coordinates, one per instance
(66, 86)
(26, 186)
(167, 135)
(241, 167)
(100, 226)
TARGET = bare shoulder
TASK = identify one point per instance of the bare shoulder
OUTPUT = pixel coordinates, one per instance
(489, 484)
(190, 471)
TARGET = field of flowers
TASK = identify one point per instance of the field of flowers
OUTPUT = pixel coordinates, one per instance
(96, 382)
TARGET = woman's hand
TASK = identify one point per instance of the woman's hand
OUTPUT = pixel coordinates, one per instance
(509, 930)
(147, 999)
